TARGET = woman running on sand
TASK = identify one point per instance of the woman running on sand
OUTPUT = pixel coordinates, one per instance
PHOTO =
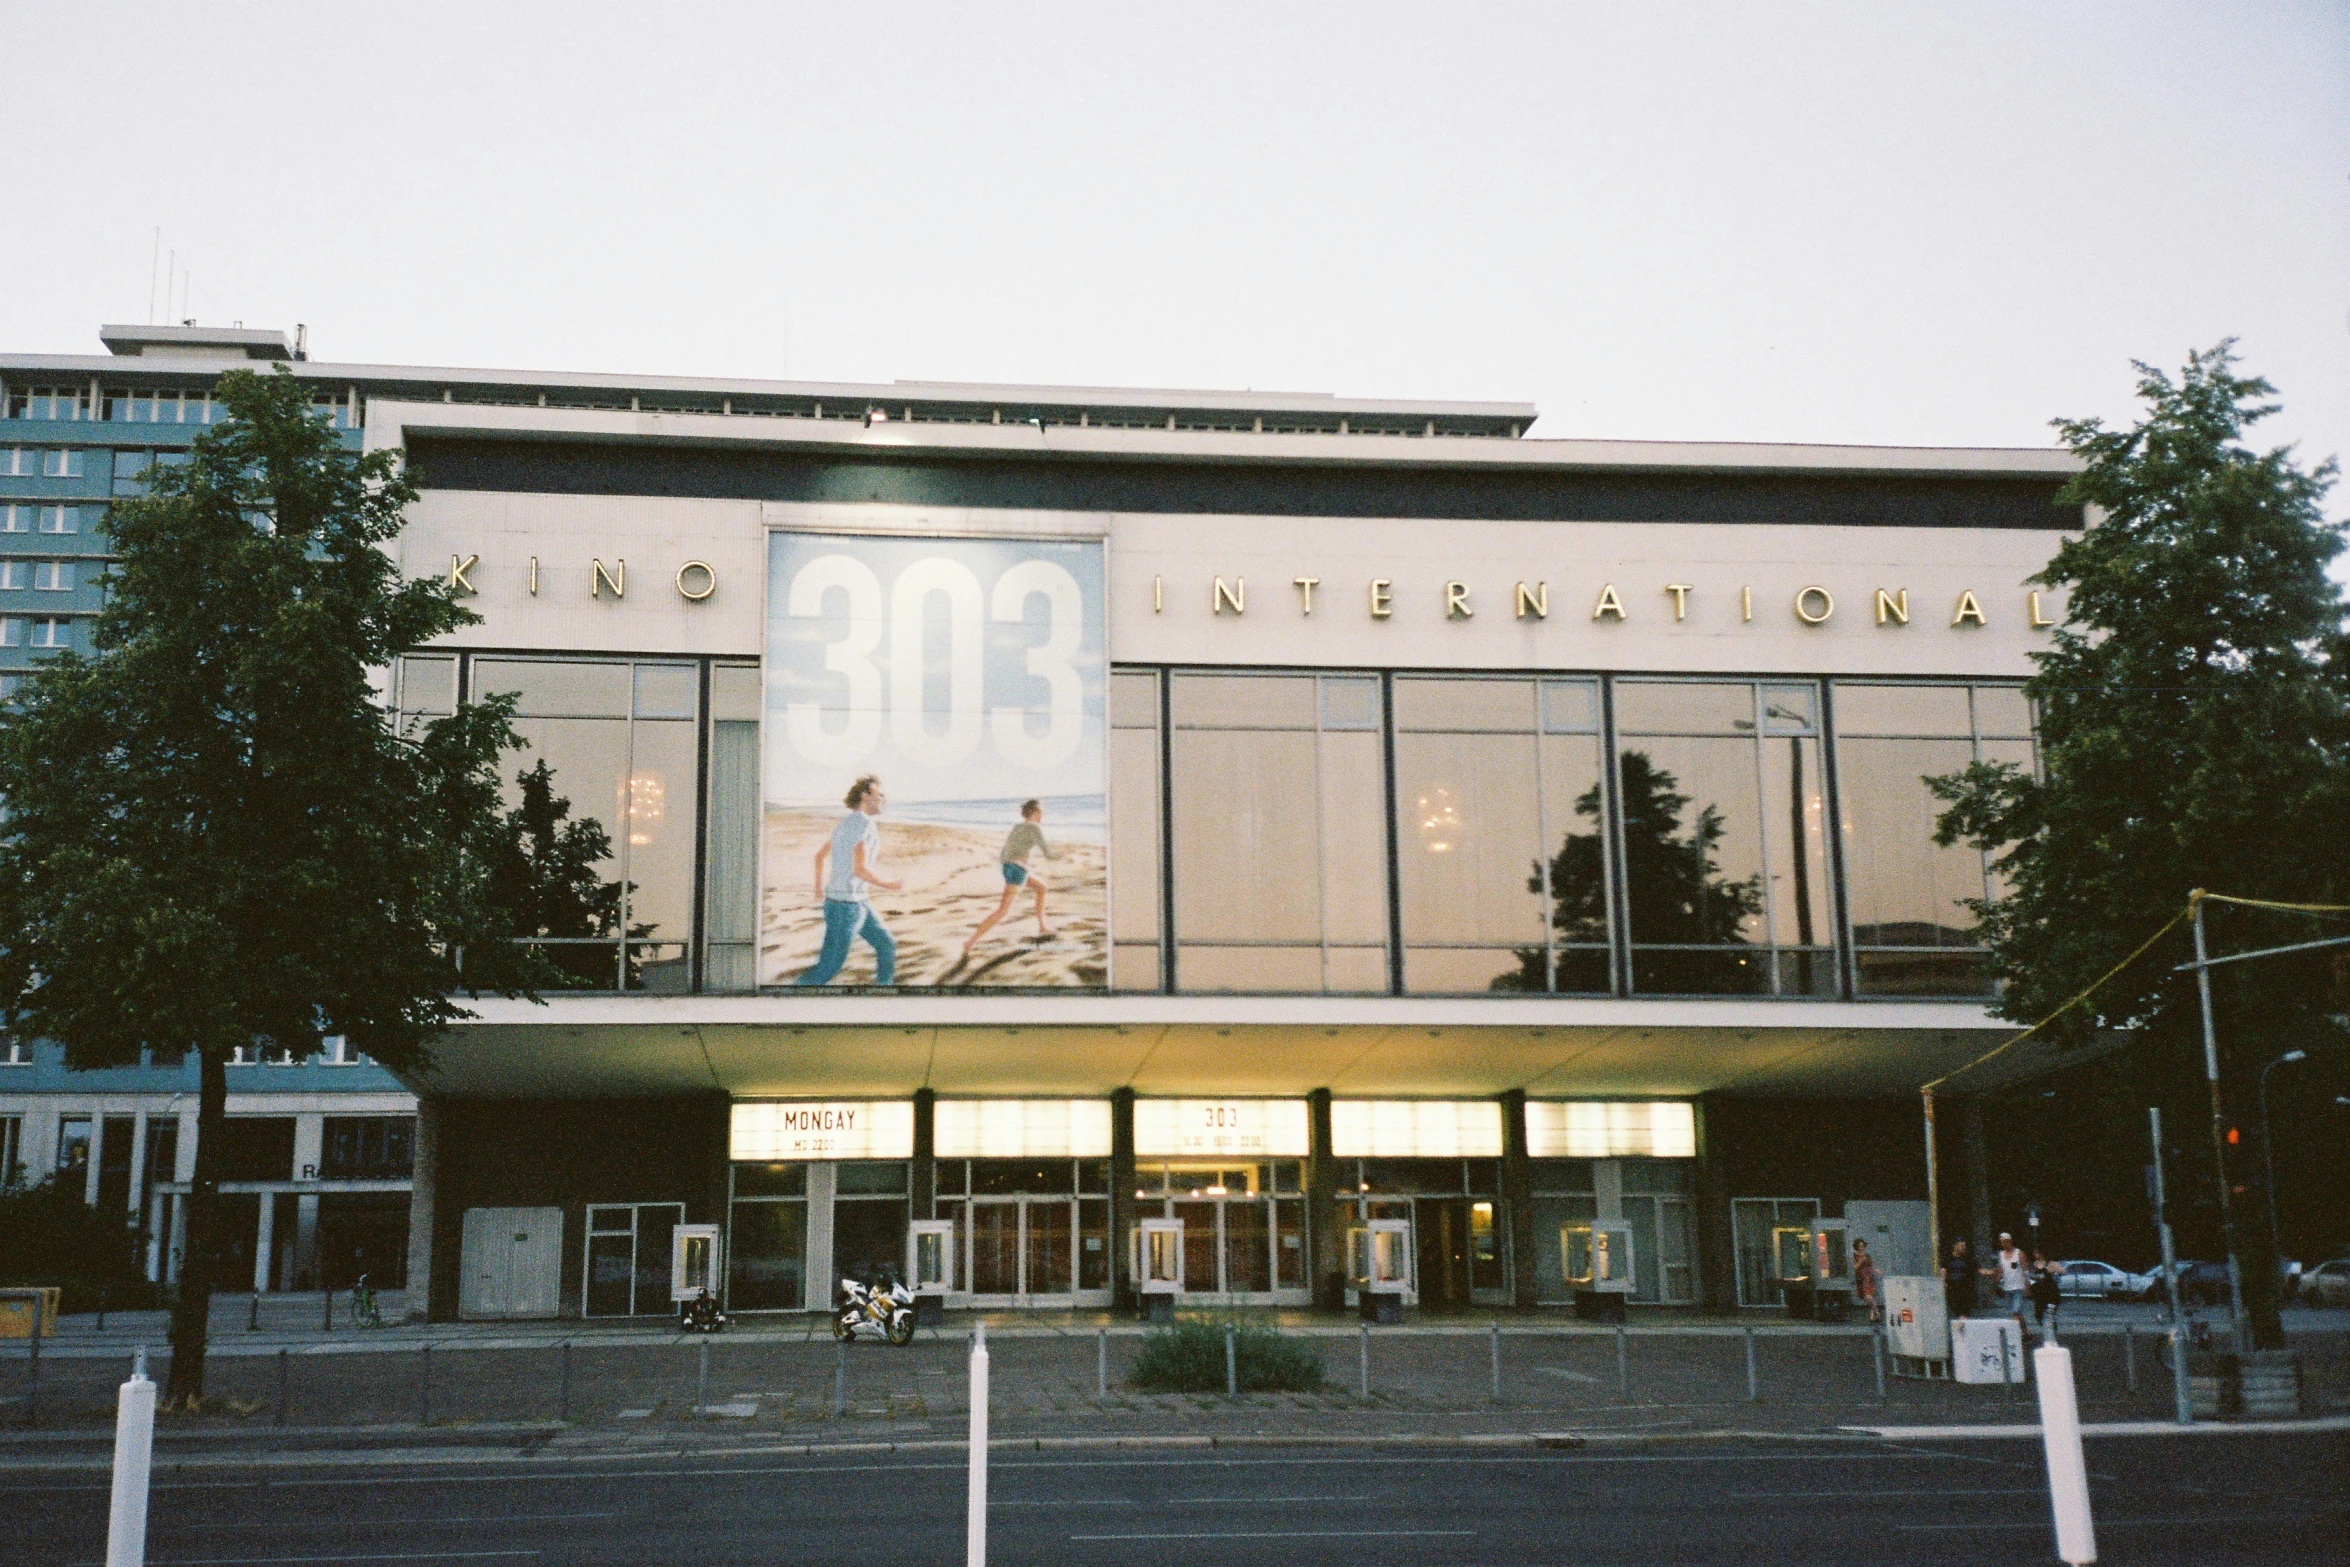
(1026, 839)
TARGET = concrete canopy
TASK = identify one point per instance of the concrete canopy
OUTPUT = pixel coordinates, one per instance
(884, 1046)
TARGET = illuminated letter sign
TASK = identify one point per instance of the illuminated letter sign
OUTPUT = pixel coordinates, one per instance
(875, 1129)
(1184, 1128)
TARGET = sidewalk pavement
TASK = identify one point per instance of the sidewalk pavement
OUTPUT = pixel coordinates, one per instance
(579, 1387)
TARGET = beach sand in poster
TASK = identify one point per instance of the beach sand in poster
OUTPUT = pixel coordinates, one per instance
(952, 882)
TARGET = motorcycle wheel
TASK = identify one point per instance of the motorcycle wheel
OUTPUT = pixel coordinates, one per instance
(843, 1328)
(901, 1329)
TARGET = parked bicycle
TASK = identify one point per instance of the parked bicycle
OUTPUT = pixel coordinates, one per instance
(364, 1311)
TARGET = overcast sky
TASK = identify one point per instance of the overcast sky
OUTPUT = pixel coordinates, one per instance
(1880, 223)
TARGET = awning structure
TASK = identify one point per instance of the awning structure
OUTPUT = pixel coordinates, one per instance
(1086, 1046)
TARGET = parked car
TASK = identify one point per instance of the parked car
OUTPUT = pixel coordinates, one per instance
(2327, 1284)
(2200, 1284)
(2101, 1281)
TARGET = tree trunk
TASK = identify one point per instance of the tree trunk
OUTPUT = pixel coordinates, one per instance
(191, 1313)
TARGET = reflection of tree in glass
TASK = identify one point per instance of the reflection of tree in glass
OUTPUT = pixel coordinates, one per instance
(1678, 896)
(544, 882)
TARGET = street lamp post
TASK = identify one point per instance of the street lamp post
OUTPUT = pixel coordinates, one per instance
(2268, 1148)
(2219, 1139)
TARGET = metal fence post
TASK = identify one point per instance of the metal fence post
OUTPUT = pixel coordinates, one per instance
(1753, 1384)
(424, 1384)
(1877, 1355)
(32, 1370)
(840, 1377)
(253, 1314)
(281, 1386)
(1101, 1364)
(1231, 1362)
(326, 1321)
(2129, 1357)
(101, 1308)
(563, 1383)
(1494, 1343)
(701, 1377)
(2006, 1370)
(1623, 1368)
(1365, 1361)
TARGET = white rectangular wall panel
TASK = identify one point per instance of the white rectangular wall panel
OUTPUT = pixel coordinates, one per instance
(1022, 1129)
(1415, 1129)
(1612, 1129)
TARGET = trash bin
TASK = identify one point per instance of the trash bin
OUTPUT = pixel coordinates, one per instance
(1599, 1305)
(1802, 1300)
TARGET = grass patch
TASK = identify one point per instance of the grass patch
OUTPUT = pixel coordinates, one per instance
(1188, 1357)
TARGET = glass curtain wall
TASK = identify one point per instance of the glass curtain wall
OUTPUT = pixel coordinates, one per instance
(730, 896)
(613, 745)
(1912, 931)
(1136, 961)
(1724, 823)
(1501, 852)
(1278, 804)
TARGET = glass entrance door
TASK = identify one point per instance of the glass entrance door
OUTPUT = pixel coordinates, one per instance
(1023, 1250)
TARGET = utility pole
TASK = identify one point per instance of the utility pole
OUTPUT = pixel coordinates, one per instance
(2219, 1131)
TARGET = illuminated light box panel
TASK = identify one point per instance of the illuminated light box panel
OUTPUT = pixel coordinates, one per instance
(1593, 1129)
(1022, 1128)
(1219, 1128)
(831, 1129)
(1415, 1129)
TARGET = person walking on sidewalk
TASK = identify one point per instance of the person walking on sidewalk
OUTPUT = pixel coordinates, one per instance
(1958, 1281)
(1864, 1281)
(2015, 1278)
(847, 865)
(2047, 1295)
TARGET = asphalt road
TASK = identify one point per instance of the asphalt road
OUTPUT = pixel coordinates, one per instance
(2200, 1499)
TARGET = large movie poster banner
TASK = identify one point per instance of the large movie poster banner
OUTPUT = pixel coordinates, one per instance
(934, 761)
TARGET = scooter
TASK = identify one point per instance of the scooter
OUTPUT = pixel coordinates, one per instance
(700, 1315)
(889, 1309)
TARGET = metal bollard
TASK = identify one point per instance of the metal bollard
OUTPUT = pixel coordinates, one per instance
(281, 1387)
(563, 1383)
(701, 1377)
(101, 1308)
(2129, 1357)
(1365, 1368)
(1231, 1363)
(1753, 1385)
(424, 1384)
(2060, 1436)
(975, 1493)
(1494, 1329)
(1877, 1354)
(134, 1454)
(1623, 1369)
(253, 1314)
(840, 1377)
(1101, 1364)
(2181, 1396)
(2006, 1371)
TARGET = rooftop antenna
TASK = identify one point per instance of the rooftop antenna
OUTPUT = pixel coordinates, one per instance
(301, 341)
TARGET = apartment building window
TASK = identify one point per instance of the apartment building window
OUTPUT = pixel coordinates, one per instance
(367, 1148)
(730, 909)
(47, 402)
(52, 632)
(14, 574)
(50, 576)
(15, 518)
(61, 519)
(63, 462)
(335, 1050)
(1277, 803)
(74, 1133)
(159, 407)
(12, 631)
(11, 1150)
(16, 1052)
(16, 462)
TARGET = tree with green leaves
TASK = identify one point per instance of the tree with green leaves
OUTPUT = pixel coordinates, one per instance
(2194, 732)
(217, 839)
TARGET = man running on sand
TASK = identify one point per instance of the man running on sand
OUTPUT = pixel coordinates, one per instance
(854, 850)
(1026, 839)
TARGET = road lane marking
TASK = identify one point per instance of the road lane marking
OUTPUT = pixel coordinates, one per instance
(2140, 1523)
(2013, 1490)
(433, 1520)
(1564, 1375)
(297, 1561)
(1295, 1534)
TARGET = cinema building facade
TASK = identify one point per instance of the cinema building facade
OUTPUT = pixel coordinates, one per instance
(1434, 824)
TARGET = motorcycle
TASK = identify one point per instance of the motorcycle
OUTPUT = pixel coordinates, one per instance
(886, 1308)
(700, 1315)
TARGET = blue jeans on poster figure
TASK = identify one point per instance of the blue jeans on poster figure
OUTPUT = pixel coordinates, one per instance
(844, 922)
